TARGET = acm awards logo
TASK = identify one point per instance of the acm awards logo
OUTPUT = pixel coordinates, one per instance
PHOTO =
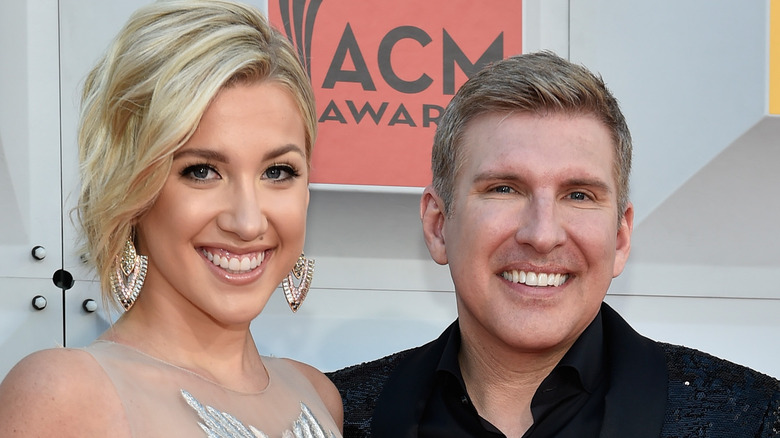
(382, 73)
(298, 19)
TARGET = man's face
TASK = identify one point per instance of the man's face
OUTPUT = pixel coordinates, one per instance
(533, 240)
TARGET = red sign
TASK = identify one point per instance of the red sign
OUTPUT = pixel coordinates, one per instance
(383, 71)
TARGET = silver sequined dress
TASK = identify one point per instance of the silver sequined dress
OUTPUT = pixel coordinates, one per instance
(161, 400)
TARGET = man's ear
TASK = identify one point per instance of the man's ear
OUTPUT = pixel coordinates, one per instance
(623, 241)
(432, 216)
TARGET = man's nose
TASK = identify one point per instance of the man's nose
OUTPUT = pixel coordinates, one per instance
(540, 225)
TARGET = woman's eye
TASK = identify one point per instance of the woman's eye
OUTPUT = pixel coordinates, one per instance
(280, 173)
(200, 172)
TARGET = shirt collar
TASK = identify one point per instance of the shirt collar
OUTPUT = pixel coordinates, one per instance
(449, 357)
(585, 357)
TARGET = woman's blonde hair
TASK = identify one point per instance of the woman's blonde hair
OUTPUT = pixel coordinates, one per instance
(146, 95)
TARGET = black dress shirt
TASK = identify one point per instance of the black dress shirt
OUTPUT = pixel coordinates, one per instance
(568, 403)
(398, 391)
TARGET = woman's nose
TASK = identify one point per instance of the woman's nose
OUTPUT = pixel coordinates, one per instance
(244, 213)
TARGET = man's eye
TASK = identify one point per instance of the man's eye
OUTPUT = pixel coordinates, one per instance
(503, 189)
(578, 196)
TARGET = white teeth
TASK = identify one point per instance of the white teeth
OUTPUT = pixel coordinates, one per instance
(235, 265)
(534, 279)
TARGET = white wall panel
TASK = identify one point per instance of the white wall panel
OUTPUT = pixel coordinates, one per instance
(546, 26)
(740, 330)
(29, 139)
(338, 327)
(24, 329)
(83, 324)
(690, 77)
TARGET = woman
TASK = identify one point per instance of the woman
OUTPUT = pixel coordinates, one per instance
(195, 142)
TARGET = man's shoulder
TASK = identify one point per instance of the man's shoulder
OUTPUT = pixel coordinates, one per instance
(360, 386)
(368, 376)
(688, 366)
(706, 391)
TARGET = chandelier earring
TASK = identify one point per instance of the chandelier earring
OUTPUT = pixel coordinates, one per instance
(302, 273)
(128, 276)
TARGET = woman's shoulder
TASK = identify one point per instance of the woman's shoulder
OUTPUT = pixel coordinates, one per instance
(48, 372)
(58, 389)
(324, 387)
(319, 380)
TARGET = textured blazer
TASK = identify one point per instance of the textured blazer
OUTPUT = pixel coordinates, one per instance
(656, 390)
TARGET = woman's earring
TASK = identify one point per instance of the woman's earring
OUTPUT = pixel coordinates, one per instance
(302, 271)
(128, 276)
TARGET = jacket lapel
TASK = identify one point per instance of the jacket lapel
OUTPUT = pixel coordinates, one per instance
(635, 403)
(402, 401)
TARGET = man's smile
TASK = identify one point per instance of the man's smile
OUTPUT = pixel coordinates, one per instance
(540, 279)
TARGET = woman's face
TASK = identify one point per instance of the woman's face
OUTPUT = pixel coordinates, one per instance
(230, 220)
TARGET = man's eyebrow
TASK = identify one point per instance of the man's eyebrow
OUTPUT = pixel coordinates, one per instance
(491, 175)
(589, 182)
(594, 183)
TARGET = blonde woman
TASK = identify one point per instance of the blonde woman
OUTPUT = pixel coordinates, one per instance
(195, 142)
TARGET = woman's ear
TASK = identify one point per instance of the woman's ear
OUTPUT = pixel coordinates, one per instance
(432, 216)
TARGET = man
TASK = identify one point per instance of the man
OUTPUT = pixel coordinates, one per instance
(529, 207)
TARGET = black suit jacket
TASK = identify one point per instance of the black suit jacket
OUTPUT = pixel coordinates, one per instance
(656, 390)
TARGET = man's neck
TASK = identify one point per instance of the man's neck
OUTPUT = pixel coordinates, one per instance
(501, 383)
